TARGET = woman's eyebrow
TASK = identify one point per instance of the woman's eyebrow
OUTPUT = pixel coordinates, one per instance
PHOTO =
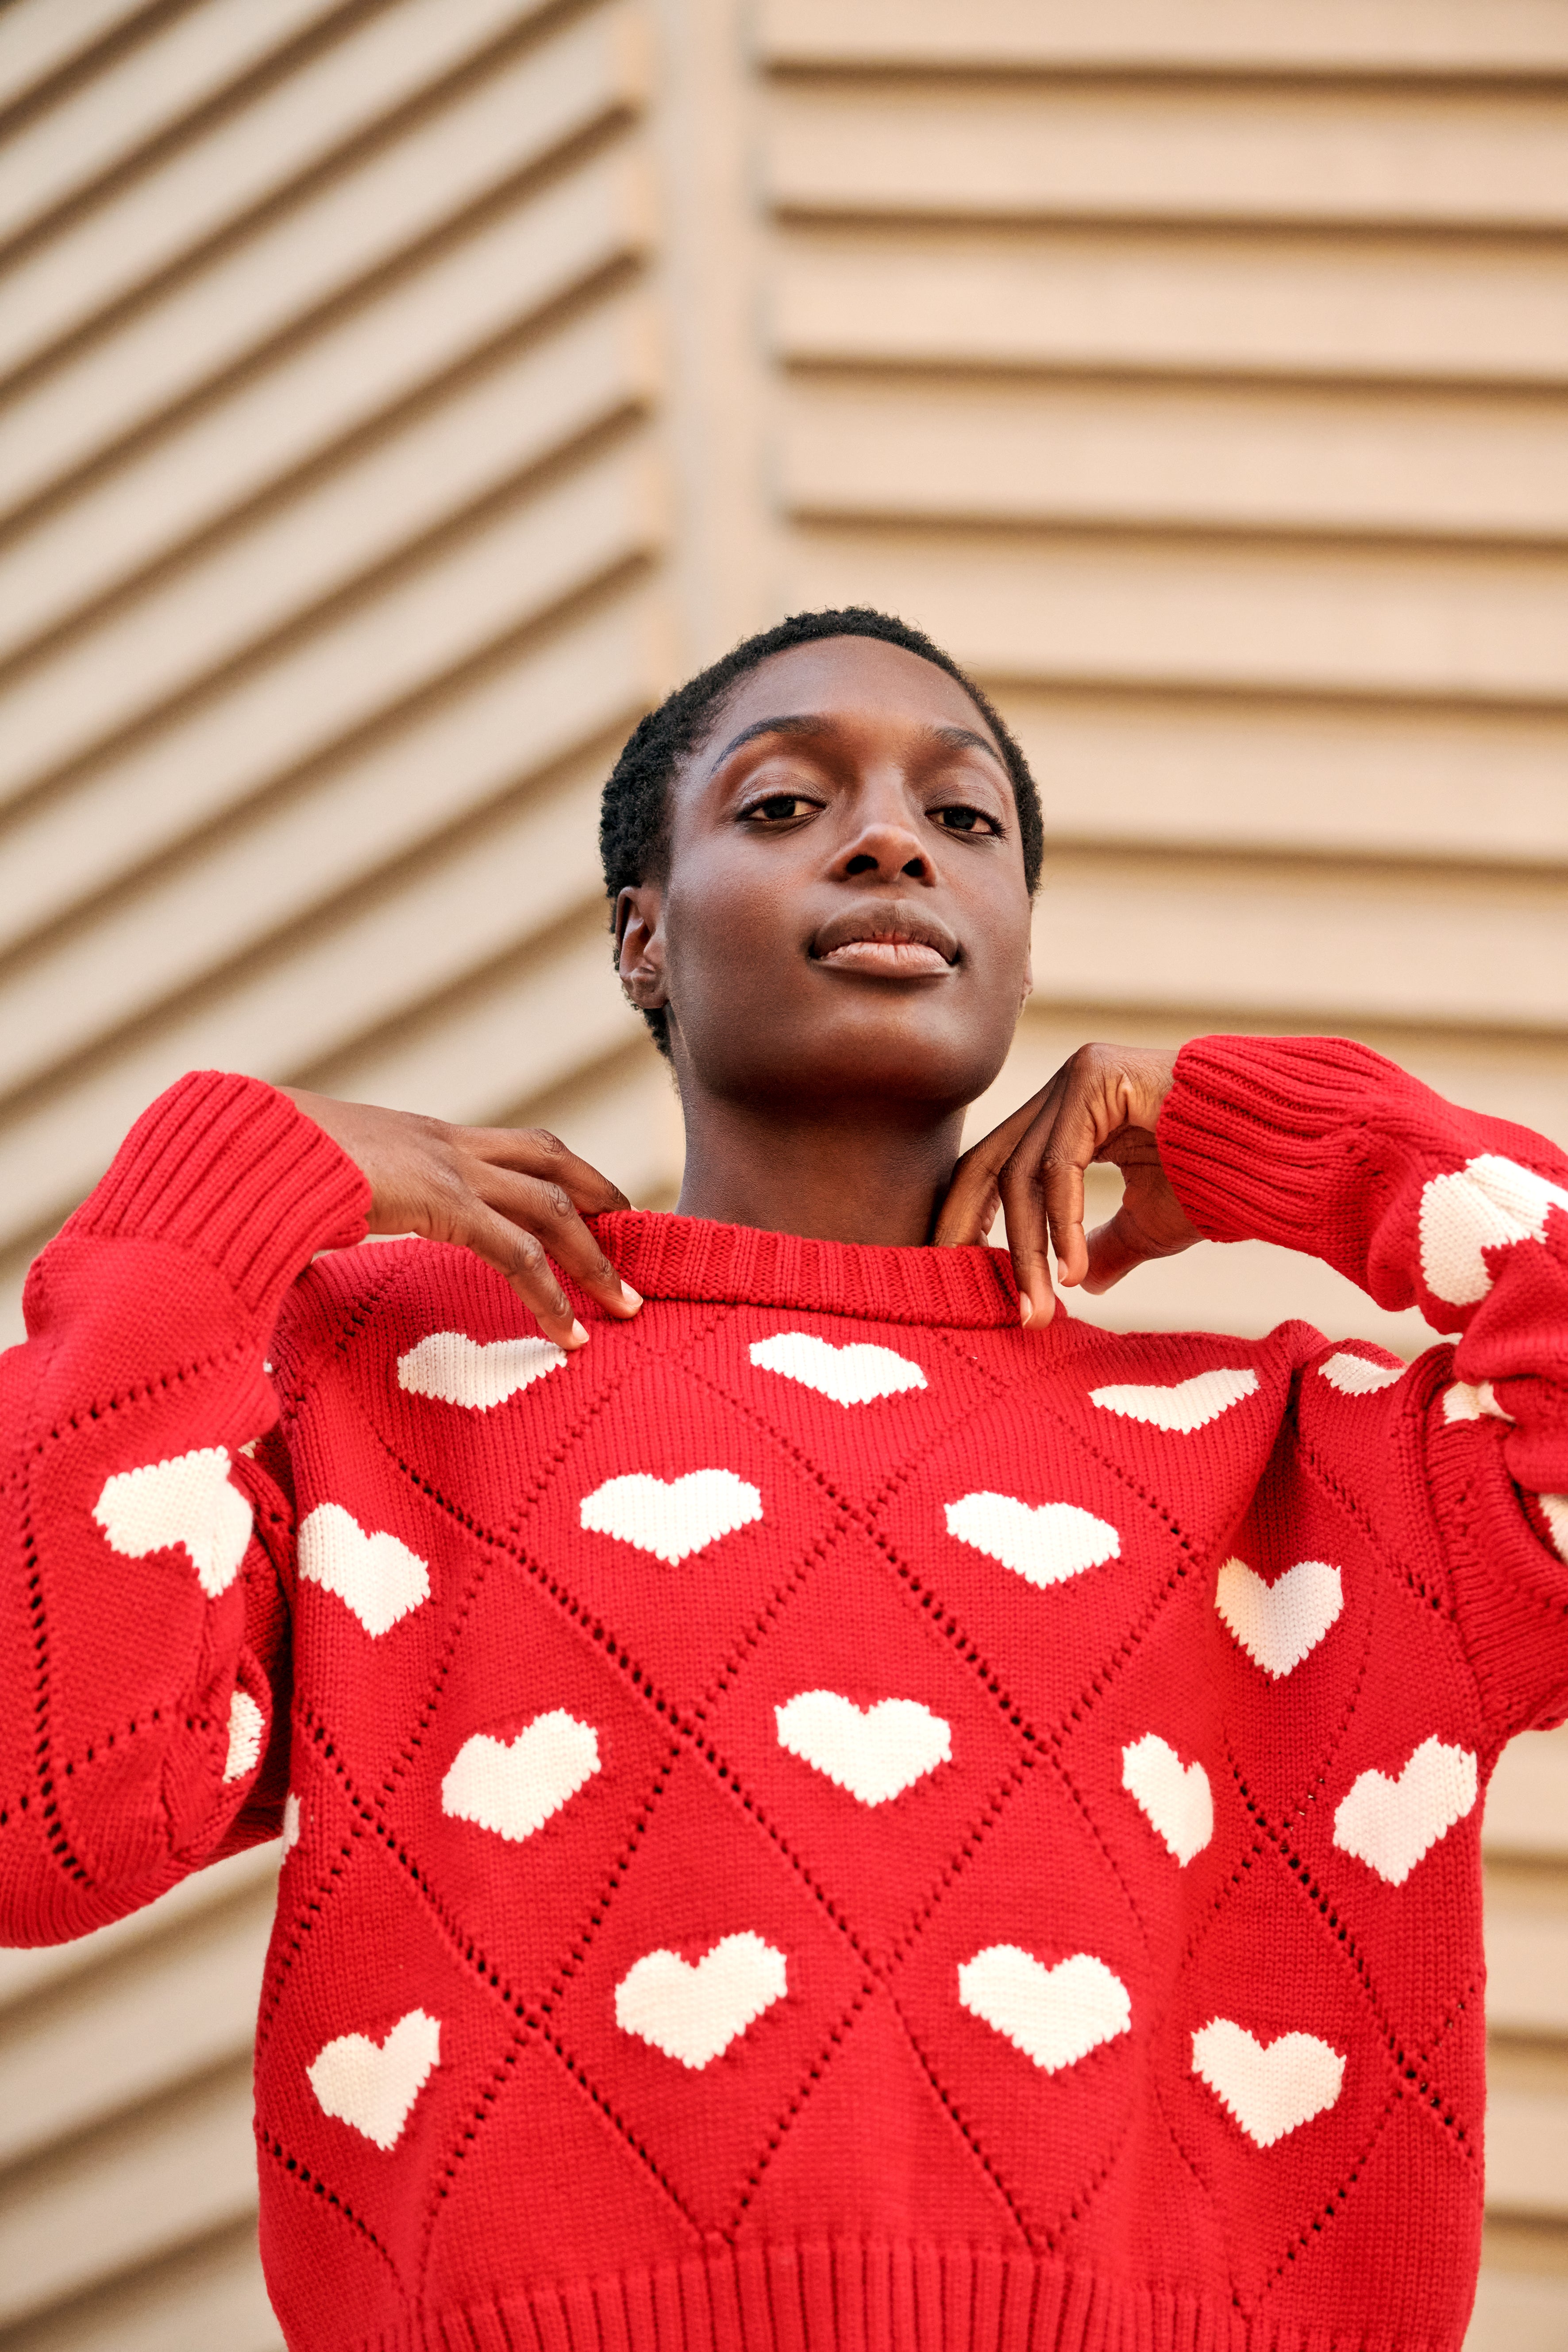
(805, 722)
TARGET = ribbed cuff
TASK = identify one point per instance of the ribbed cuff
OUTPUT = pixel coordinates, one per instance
(226, 1167)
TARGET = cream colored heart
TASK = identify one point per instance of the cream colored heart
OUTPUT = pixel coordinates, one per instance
(513, 1786)
(480, 1374)
(1045, 1543)
(246, 1728)
(1357, 1375)
(1054, 2016)
(672, 1517)
(1270, 2089)
(185, 1503)
(1183, 1404)
(290, 1825)
(1467, 1401)
(693, 2014)
(1280, 1624)
(849, 1375)
(1490, 1203)
(1390, 1824)
(1554, 1510)
(373, 1574)
(1175, 1797)
(876, 1753)
(372, 2085)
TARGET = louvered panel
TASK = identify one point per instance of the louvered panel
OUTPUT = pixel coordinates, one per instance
(1304, 944)
(1336, 37)
(1527, 1803)
(1517, 2313)
(208, 184)
(1336, 618)
(343, 676)
(1470, 310)
(1526, 2144)
(1217, 456)
(39, 39)
(300, 850)
(1527, 1966)
(362, 221)
(1177, 151)
(365, 361)
(218, 608)
(1361, 779)
(208, 2297)
(187, 64)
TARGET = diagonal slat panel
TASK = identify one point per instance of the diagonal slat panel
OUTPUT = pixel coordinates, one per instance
(38, 38)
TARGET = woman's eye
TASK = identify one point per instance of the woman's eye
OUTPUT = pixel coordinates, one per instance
(779, 807)
(960, 818)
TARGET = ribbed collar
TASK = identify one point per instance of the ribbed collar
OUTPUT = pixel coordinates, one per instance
(687, 1257)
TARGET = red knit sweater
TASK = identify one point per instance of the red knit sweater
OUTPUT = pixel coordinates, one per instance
(826, 1823)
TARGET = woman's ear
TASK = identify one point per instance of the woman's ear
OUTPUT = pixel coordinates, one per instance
(640, 946)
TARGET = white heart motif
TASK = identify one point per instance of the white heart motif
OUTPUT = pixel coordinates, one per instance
(1358, 1375)
(1045, 1543)
(1270, 2090)
(1054, 2016)
(1487, 1204)
(455, 1370)
(1280, 1624)
(372, 2087)
(694, 2013)
(185, 1504)
(513, 1786)
(375, 1575)
(1176, 1798)
(1184, 1404)
(671, 1519)
(877, 1753)
(849, 1375)
(246, 1726)
(1467, 1401)
(1390, 1824)
(290, 1825)
(1554, 1510)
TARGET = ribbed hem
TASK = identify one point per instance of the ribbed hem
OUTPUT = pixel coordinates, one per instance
(226, 1167)
(689, 1257)
(858, 2297)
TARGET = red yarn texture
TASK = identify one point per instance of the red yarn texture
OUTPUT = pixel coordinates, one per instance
(825, 1822)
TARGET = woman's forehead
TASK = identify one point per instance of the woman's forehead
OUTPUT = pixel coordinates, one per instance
(862, 678)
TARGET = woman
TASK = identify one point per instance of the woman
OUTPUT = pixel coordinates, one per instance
(824, 1803)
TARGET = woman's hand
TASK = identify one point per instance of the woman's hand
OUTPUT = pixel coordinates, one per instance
(510, 1194)
(1099, 1108)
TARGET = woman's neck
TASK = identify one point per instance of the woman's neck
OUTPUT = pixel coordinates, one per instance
(840, 1171)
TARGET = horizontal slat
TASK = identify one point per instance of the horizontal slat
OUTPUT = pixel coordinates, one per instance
(506, 1042)
(38, 38)
(162, 645)
(209, 2297)
(232, 894)
(1527, 2150)
(1334, 36)
(511, 120)
(180, 2168)
(1328, 618)
(360, 366)
(246, 158)
(25, 1973)
(101, 2045)
(1281, 305)
(1527, 1967)
(1219, 456)
(1527, 1803)
(1518, 2312)
(1239, 774)
(1282, 942)
(375, 964)
(1461, 159)
(341, 677)
(107, 120)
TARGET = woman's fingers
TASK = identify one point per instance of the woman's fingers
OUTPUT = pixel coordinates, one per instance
(969, 1208)
(545, 1211)
(521, 1259)
(534, 1152)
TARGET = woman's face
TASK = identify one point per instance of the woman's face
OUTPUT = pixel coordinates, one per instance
(844, 913)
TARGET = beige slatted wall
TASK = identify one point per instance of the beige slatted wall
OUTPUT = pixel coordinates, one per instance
(393, 397)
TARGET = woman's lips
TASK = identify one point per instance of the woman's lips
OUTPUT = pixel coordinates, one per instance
(901, 959)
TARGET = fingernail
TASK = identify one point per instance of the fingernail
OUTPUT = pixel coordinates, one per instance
(1025, 1310)
(578, 1338)
(633, 1298)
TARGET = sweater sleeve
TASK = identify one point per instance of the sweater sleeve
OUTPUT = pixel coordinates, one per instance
(145, 1551)
(1323, 1146)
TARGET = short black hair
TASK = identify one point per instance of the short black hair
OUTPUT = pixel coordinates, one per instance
(634, 816)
